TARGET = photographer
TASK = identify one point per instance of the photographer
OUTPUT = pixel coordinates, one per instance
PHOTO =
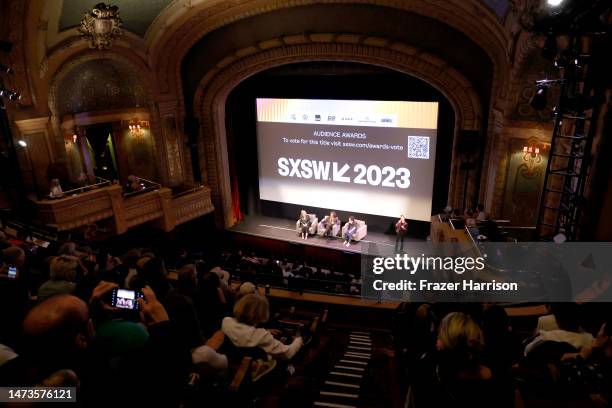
(59, 334)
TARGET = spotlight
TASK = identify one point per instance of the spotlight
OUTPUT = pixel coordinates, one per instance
(550, 50)
(554, 3)
(22, 143)
(540, 99)
(6, 69)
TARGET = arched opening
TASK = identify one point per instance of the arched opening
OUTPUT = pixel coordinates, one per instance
(100, 108)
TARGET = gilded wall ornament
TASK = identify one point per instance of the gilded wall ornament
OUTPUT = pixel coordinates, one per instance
(101, 26)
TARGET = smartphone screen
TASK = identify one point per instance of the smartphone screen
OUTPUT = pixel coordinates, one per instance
(12, 272)
(126, 299)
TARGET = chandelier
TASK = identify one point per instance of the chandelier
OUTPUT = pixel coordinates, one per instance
(101, 26)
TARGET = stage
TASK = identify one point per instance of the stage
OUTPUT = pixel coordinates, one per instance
(284, 230)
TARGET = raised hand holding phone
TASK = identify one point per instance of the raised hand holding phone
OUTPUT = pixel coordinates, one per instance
(151, 310)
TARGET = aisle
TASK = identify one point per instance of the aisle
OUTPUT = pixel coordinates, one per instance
(342, 386)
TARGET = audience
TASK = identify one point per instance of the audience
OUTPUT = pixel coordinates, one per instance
(250, 312)
(64, 332)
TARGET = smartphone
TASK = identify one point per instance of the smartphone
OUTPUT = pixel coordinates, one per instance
(126, 299)
(12, 272)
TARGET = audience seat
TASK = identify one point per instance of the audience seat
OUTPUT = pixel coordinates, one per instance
(362, 230)
(314, 221)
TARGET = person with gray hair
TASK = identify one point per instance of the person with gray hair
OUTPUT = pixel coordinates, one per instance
(61, 277)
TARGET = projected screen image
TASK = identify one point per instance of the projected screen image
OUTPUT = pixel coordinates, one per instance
(369, 157)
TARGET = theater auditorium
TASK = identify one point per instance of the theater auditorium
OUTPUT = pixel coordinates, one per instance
(313, 203)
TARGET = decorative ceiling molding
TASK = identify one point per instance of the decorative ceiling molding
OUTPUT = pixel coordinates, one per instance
(184, 22)
(384, 52)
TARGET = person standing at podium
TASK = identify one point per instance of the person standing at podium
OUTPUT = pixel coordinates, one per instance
(401, 228)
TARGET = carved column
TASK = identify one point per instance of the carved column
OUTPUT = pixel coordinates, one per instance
(115, 195)
(168, 220)
(176, 156)
(35, 157)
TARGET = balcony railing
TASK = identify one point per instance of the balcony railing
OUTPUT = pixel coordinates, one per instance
(104, 201)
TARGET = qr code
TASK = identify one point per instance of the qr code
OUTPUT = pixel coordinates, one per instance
(418, 147)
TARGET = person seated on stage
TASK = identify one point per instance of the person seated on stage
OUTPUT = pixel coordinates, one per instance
(56, 189)
(250, 312)
(351, 229)
(329, 222)
(401, 228)
(304, 224)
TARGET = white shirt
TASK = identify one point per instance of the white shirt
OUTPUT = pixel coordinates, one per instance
(243, 335)
(577, 340)
(209, 357)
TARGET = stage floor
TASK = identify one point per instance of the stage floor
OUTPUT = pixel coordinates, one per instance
(284, 230)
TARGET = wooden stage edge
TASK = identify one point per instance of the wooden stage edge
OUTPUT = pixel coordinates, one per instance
(284, 230)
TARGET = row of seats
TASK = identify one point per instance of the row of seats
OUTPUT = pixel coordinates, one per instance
(317, 228)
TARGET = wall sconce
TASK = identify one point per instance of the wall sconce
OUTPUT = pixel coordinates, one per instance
(74, 138)
(137, 126)
(532, 154)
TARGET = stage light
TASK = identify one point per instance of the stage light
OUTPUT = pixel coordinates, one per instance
(550, 49)
(554, 3)
(22, 143)
(540, 99)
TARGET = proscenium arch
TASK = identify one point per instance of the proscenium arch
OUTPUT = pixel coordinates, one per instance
(184, 22)
(216, 85)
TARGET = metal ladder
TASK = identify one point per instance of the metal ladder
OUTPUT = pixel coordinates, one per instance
(569, 159)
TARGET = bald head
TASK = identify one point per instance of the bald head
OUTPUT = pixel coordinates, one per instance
(60, 313)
